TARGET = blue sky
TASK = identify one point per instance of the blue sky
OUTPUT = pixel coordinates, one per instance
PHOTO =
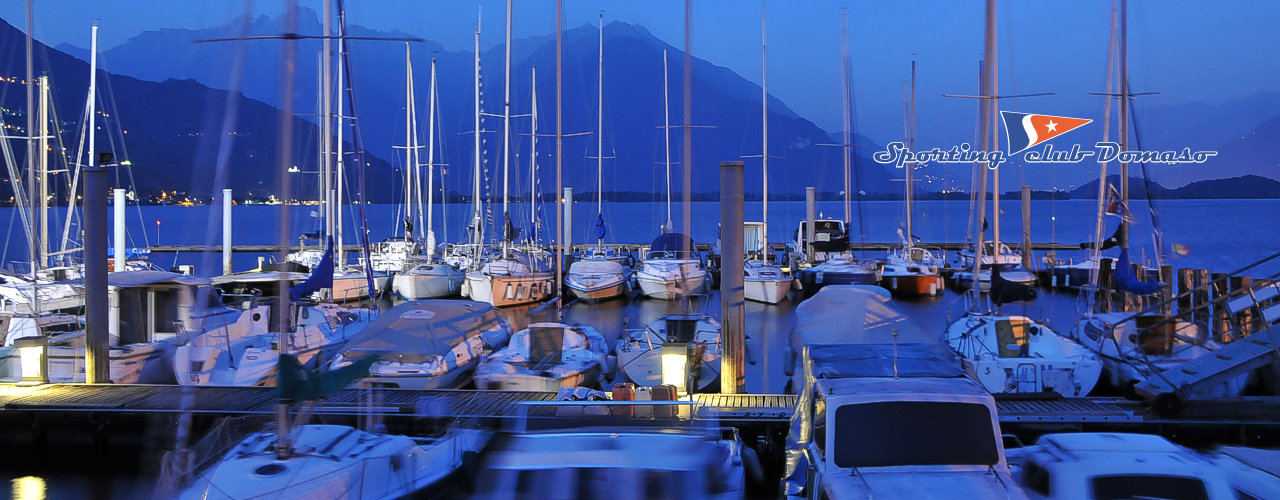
(1187, 50)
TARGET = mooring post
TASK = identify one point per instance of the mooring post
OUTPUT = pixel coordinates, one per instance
(1243, 319)
(1026, 227)
(118, 223)
(97, 361)
(732, 314)
(1220, 319)
(1186, 283)
(1201, 305)
(810, 232)
(1104, 284)
(226, 231)
(1166, 277)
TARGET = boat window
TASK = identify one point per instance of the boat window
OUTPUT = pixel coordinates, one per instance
(1036, 478)
(681, 330)
(1122, 486)
(914, 433)
(166, 310)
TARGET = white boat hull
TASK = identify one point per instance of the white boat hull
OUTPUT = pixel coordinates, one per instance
(769, 291)
(415, 286)
(670, 288)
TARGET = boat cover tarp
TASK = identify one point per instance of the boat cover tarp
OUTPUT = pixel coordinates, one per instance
(1129, 282)
(295, 382)
(672, 242)
(595, 267)
(842, 314)
(125, 279)
(879, 360)
(321, 277)
(413, 332)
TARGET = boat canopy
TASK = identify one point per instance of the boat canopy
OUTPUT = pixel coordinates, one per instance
(413, 332)
(678, 243)
(128, 279)
(593, 266)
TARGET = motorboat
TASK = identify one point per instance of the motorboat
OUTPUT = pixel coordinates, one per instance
(765, 282)
(843, 270)
(1106, 465)
(670, 269)
(335, 461)
(596, 279)
(912, 273)
(659, 353)
(427, 344)
(1015, 354)
(430, 280)
(545, 357)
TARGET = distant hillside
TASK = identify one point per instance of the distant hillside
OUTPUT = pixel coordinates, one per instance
(1243, 187)
(633, 95)
(169, 130)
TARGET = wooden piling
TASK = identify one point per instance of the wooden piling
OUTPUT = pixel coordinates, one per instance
(1136, 302)
(1105, 284)
(1186, 282)
(1243, 320)
(1166, 293)
(1220, 320)
(1200, 298)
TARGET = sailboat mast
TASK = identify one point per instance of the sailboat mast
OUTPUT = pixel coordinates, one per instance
(1124, 119)
(600, 125)
(340, 252)
(326, 124)
(476, 216)
(43, 153)
(845, 98)
(431, 163)
(533, 152)
(410, 153)
(911, 145)
(506, 132)
(764, 135)
(666, 132)
(993, 86)
(417, 157)
(34, 240)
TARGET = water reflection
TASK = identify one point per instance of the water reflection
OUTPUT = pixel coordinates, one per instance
(28, 488)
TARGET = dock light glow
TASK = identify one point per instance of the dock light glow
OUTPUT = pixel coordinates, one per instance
(673, 366)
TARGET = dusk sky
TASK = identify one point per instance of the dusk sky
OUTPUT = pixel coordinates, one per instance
(1188, 51)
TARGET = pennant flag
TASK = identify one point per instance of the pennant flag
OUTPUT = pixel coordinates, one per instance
(1116, 206)
(1181, 249)
(1026, 130)
(295, 382)
(321, 277)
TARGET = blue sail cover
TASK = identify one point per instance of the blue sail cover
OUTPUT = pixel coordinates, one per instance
(672, 242)
(1129, 282)
(601, 230)
(295, 383)
(321, 277)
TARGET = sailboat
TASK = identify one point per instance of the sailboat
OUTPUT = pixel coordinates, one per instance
(545, 357)
(511, 277)
(430, 279)
(645, 355)
(764, 282)
(598, 276)
(911, 271)
(1008, 353)
(1133, 346)
(670, 269)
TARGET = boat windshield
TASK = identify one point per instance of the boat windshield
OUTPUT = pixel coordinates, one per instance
(896, 433)
(1122, 486)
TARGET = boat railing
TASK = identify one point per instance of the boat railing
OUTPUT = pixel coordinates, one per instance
(1255, 296)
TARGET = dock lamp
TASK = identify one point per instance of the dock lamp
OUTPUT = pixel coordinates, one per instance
(33, 355)
(673, 365)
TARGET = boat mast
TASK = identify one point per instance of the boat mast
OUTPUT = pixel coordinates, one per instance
(845, 98)
(341, 251)
(411, 139)
(911, 145)
(533, 155)
(666, 133)
(43, 148)
(764, 134)
(430, 235)
(506, 134)
(993, 86)
(600, 128)
(476, 219)
(326, 125)
(1124, 120)
(34, 238)
(984, 119)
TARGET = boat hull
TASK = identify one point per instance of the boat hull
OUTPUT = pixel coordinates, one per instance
(769, 291)
(597, 293)
(415, 286)
(511, 290)
(811, 281)
(913, 285)
(526, 382)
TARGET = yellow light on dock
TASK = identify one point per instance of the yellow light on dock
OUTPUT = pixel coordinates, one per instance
(32, 355)
(29, 488)
(673, 365)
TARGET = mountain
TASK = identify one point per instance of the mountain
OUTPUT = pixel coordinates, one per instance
(633, 97)
(1242, 187)
(169, 130)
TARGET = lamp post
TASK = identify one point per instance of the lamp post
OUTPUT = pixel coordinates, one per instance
(33, 353)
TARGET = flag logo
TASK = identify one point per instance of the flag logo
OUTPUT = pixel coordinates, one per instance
(1026, 130)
